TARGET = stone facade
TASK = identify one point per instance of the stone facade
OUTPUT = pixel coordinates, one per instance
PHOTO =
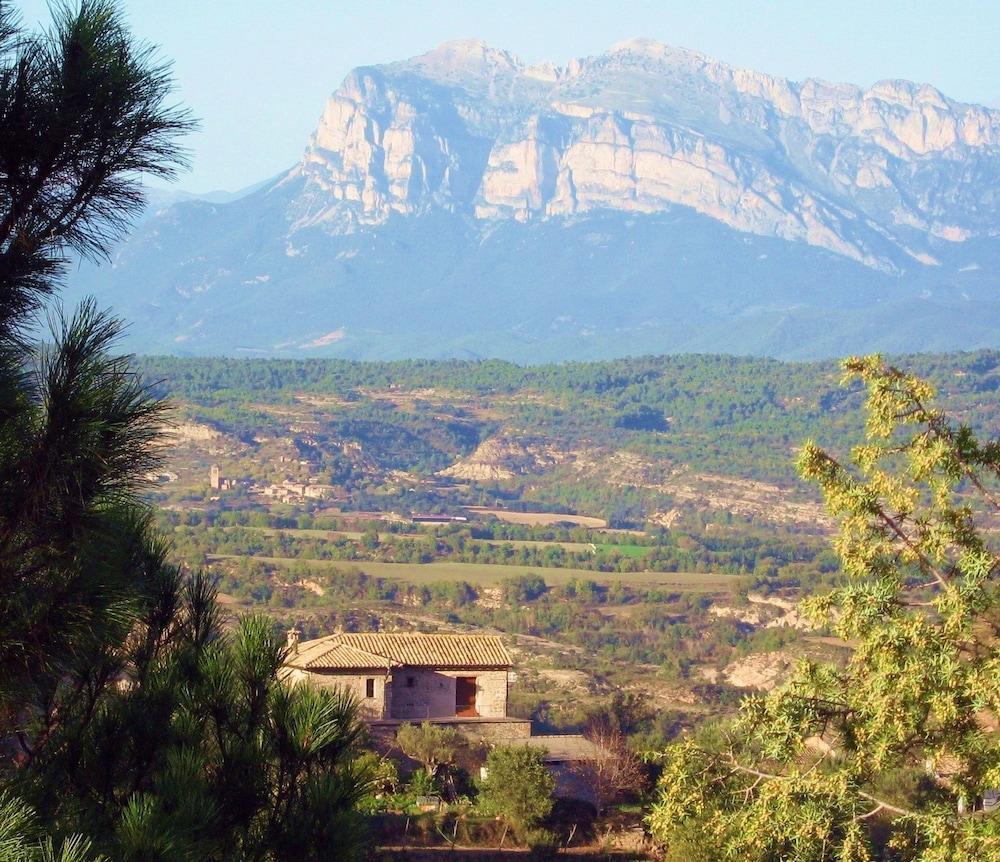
(419, 693)
(455, 680)
(370, 690)
(415, 693)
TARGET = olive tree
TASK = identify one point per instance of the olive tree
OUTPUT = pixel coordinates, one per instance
(431, 745)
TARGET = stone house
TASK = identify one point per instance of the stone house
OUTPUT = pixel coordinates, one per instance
(444, 678)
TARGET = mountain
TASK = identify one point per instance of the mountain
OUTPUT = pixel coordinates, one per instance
(650, 199)
(160, 197)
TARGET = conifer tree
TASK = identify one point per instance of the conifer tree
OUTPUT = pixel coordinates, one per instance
(128, 713)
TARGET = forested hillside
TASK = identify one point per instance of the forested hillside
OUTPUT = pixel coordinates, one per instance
(648, 428)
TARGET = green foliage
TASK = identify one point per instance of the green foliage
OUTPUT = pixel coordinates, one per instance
(82, 117)
(518, 787)
(422, 783)
(205, 752)
(920, 609)
(432, 745)
(731, 415)
(692, 839)
(543, 844)
(78, 557)
(131, 716)
(21, 839)
(526, 588)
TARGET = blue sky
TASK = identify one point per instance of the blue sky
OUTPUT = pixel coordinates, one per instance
(256, 72)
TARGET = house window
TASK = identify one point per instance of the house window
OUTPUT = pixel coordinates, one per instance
(369, 687)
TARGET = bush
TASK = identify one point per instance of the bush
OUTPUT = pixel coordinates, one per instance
(543, 844)
(422, 783)
(518, 787)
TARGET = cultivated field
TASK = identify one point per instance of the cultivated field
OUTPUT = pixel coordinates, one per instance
(543, 519)
(295, 532)
(354, 535)
(534, 543)
(479, 574)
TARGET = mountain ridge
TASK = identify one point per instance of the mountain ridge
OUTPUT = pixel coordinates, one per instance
(889, 192)
(637, 153)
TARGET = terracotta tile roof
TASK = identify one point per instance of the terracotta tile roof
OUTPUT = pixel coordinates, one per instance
(377, 649)
(329, 652)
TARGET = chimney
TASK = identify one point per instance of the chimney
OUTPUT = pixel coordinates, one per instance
(292, 640)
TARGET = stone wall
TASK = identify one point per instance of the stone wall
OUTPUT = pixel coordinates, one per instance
(415, 693)
(357, 684)
(494, 731)
(499, 730)
(418, 694)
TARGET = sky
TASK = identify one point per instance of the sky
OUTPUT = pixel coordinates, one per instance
(257, 72)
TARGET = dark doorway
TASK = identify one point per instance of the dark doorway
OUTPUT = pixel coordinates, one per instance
(465, 695)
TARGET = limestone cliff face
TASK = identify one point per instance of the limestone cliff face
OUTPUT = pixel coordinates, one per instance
(865, 173)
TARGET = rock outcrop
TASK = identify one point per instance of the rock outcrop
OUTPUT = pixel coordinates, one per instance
(505, 457)
(646, 127)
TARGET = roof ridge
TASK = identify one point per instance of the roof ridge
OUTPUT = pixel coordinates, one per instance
(445, 649)
(412, 635)
(404, 649)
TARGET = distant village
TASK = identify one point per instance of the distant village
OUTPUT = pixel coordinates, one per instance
(287, 491)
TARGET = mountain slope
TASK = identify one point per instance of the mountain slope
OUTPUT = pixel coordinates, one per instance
(647, 200)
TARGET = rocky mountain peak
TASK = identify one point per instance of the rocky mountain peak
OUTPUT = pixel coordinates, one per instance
(867, 174)
(648, 199)
(640, 49)
(463, 59)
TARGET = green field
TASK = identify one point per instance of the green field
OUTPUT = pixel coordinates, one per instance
(535, 543)
(625, 550)
(295, 532)
(483, 575)
(576, 547)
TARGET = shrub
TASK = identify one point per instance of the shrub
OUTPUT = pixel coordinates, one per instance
(422, 783)
(518, 787)
(543, 844)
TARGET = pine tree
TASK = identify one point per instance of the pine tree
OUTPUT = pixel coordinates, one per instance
(132, 716)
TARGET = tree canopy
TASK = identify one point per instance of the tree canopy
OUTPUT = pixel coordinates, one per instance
(132, 719)
(518, 787)
(429, 744)
(897, 747)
